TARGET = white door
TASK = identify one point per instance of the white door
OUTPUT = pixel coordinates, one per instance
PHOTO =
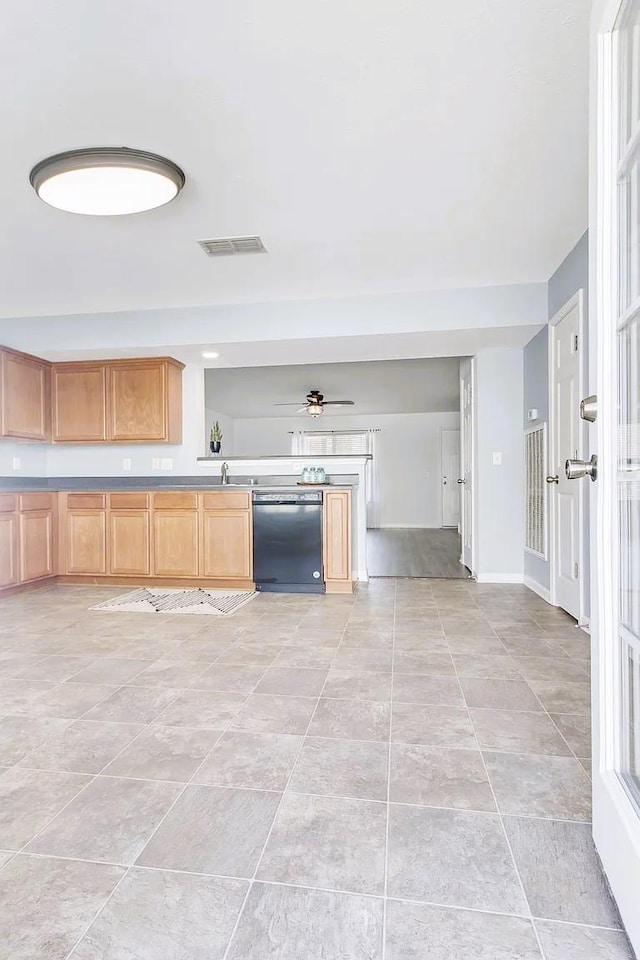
(450, 460)
(467, 453)
(566, 428)
(615, 536)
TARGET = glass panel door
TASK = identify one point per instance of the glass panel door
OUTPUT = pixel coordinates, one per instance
(628, 378)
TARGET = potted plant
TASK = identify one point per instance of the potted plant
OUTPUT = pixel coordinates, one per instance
(215, 438)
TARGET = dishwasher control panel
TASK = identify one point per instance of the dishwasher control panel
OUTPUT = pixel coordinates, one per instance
(287, 497)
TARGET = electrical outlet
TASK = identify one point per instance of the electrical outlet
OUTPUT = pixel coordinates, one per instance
(166, 463)
(497, 459)
(126, 463)
(16, 463)
(155, 463)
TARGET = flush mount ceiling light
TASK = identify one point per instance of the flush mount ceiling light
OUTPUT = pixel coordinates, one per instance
(106, 181)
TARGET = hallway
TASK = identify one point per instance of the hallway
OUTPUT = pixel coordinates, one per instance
(415, 552)
(402, 773)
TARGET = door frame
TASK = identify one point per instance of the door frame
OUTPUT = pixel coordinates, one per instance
(474, 460)
(615, 817)
(577, 300)
(443, 525)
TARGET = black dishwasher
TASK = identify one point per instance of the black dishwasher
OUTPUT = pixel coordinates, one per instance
(287, 541)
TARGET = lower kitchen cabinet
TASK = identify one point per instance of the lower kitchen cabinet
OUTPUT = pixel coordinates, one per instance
(86, 541)
(129, 543)
(27, 537)
(36, 545)
(337, 541)
(226, 545)
(8, 549)
(175, 543)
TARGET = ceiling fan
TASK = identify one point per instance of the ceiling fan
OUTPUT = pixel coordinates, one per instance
(315, 404)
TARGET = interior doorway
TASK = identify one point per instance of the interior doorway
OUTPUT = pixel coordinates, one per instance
(566, 339)
(450, 460)
(421, 537)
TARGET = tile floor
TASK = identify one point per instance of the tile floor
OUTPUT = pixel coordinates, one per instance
(398, 775)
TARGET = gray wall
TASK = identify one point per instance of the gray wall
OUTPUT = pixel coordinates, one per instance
(499, 493)
(536, 395)
(572, 275)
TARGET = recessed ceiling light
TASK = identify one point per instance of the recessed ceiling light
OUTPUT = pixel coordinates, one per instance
(106, 182)
(210, 355)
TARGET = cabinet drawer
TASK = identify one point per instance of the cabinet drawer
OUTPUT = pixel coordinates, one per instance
(36, 501)
(227, 500)
(7, 502)
(86, 501)
(129, 501)
(176, 500)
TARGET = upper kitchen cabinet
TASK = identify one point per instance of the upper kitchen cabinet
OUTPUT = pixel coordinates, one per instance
(79, 402)
(25, 410)
(118, 401)
(145, 401)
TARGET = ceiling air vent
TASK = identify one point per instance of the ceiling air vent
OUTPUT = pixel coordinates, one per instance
(230, 246)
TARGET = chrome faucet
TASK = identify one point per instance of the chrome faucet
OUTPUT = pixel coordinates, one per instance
(224, 473)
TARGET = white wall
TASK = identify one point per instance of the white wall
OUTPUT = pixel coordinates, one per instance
(499, 489)
(408, 454)
(32, 457)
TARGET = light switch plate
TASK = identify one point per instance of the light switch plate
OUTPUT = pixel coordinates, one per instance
(497, 458)
(166, 463)
(126, 463)
(16, 463)
(155, 463)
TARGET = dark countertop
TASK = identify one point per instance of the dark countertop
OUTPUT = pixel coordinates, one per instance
(42, 484)
(220, 457)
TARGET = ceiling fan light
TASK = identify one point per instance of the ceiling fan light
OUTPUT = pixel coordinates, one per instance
(106, 182)
(314, 409)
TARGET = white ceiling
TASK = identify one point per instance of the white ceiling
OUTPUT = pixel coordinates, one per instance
(374, 146)
(385, 386)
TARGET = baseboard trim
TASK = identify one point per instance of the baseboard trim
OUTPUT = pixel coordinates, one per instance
(538, 588)
(499, 577)
(186, 582)
(28, 585)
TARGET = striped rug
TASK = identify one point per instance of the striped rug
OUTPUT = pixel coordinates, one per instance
(163, 600)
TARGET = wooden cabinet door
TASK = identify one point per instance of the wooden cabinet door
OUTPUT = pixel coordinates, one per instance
(79, 400)
(86, 541)
(129, 543)
(175, 543)
(226, 545)
(137, 401)
(337, 536)
(36, 545)
(8, 549)
(25, 406)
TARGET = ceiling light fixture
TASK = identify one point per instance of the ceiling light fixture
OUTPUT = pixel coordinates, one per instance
(314, 409)
(106, 181)
(210, 355)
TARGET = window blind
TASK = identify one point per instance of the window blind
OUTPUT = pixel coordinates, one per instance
(535, 446)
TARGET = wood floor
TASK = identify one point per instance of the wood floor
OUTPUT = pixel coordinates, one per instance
(415, 552)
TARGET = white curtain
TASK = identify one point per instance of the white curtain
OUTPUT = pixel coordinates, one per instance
(373, 482)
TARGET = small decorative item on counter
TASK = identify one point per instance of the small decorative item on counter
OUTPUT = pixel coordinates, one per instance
(215, 438)
(306, 475)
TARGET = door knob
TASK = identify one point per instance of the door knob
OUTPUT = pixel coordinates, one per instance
(553, 479)
(582, 468)
(460, 481)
